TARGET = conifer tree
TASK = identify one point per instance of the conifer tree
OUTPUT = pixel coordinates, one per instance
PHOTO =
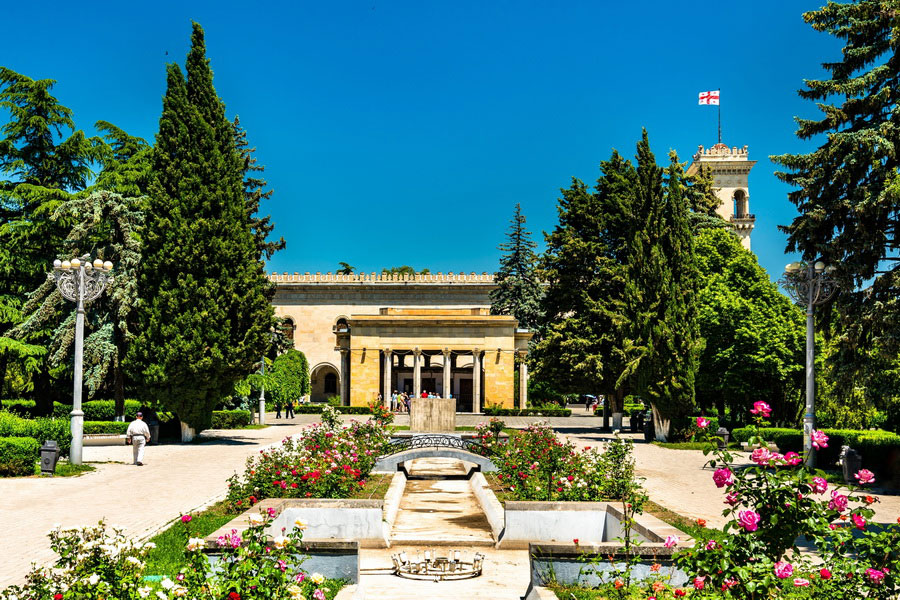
(204, 309)
(848, 189)
(518, 292)
(44, 160)
(255, 192)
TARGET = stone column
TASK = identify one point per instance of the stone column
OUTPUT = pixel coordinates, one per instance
(388, 363)
(345, 377)
(523, 381)
(446, 392)
(476, 380)
(417, 373)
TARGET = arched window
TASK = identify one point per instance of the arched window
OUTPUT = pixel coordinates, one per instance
(330, 383)
(740, 203)
(288, 327)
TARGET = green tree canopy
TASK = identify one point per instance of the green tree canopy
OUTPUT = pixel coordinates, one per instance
(403, 270)
(754, 337)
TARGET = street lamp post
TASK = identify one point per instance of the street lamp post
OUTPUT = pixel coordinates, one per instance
(262, 389)
(80, 281)
(809, 284)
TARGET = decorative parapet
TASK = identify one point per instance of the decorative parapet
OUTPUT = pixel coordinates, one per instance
(381, 278)
(721, 151)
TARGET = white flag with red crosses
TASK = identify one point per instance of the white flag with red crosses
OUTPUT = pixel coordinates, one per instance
(709, 97)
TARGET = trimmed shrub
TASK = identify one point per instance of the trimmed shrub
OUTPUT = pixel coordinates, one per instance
(100, 427)
(98, 410)
(230, 419)
(494, 411)
(40, 429)
(318, 407)
(23, 408)
(18, 455)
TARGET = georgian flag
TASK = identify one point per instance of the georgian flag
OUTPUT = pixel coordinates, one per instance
(709, 97)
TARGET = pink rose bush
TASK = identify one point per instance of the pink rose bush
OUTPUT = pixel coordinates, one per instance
(770, 503)
(535, 464)
(323, 461)
(96, 563)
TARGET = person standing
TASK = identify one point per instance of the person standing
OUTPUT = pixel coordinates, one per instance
(138, 435)
(289, 409)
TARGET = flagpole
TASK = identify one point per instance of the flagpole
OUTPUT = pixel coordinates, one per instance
(720, 115)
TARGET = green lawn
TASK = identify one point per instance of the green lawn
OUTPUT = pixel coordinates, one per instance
(168, 556)
(66, 469)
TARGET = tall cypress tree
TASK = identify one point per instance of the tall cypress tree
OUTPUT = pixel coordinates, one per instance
(848, 189)
(255, 192)
(205, 305)
(518, 290)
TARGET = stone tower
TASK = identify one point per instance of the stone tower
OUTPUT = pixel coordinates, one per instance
(730, 170)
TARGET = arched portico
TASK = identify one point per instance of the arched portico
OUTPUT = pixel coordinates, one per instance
(324, 382)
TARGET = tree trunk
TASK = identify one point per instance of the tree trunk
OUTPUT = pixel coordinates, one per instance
(187, 432)
(661, 426)
(119, 391)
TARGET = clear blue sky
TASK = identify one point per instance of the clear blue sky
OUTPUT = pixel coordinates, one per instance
(405, 132)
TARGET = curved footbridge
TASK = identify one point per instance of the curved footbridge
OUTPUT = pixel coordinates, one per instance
(434, 445)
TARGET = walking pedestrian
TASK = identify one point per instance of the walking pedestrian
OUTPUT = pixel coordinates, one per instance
(289, 410)
(138, 435)
(278, 409)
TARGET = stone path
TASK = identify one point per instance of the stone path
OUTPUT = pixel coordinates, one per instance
(440, 515)
(176, 479)
(443, 511)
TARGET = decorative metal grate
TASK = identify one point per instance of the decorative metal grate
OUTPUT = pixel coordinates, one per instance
(437, 440)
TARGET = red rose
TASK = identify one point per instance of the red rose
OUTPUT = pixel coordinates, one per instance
(576, 541)
(234, 596)
(57, 596)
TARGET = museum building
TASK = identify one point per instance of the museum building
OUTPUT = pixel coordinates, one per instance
(370, 334)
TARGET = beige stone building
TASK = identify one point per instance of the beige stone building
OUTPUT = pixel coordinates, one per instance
(730, 169)
(366, 335)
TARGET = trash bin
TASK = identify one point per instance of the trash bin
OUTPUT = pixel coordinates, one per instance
(617, 421)
(649, 433)
(49, 456)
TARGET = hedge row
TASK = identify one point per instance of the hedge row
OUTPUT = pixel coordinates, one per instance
(100, 427)
(94, 410)
(494, 411)
(316, 408)
(40, 429)
(231, 419)
(18, 455)
(880, 450)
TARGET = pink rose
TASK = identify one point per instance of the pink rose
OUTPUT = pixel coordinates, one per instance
(185, 518)
(824, 573)
(749, 520)
(865, 476)
(762, 409)
(792, 458)
(671, 541)
(699, 582)
(800, 582)
(819, 485)
(723, 477)
(702, 422)
(711, 545)
(732, 499)
(271, 512)
(838, 501)
(859, 521)
(819, 439)
(783, 570)
(876, 576)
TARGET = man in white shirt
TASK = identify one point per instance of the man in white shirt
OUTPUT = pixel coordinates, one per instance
(139, 434)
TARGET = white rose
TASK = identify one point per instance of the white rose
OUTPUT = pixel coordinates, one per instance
(300, 524)
(317, 578)
(149, 546)
(255, 519)
(133, 560)
(195, 544)
(94, 579)
(161, 596)
(280, 541)
(144, 592)
(167, 583)
(180, 591)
